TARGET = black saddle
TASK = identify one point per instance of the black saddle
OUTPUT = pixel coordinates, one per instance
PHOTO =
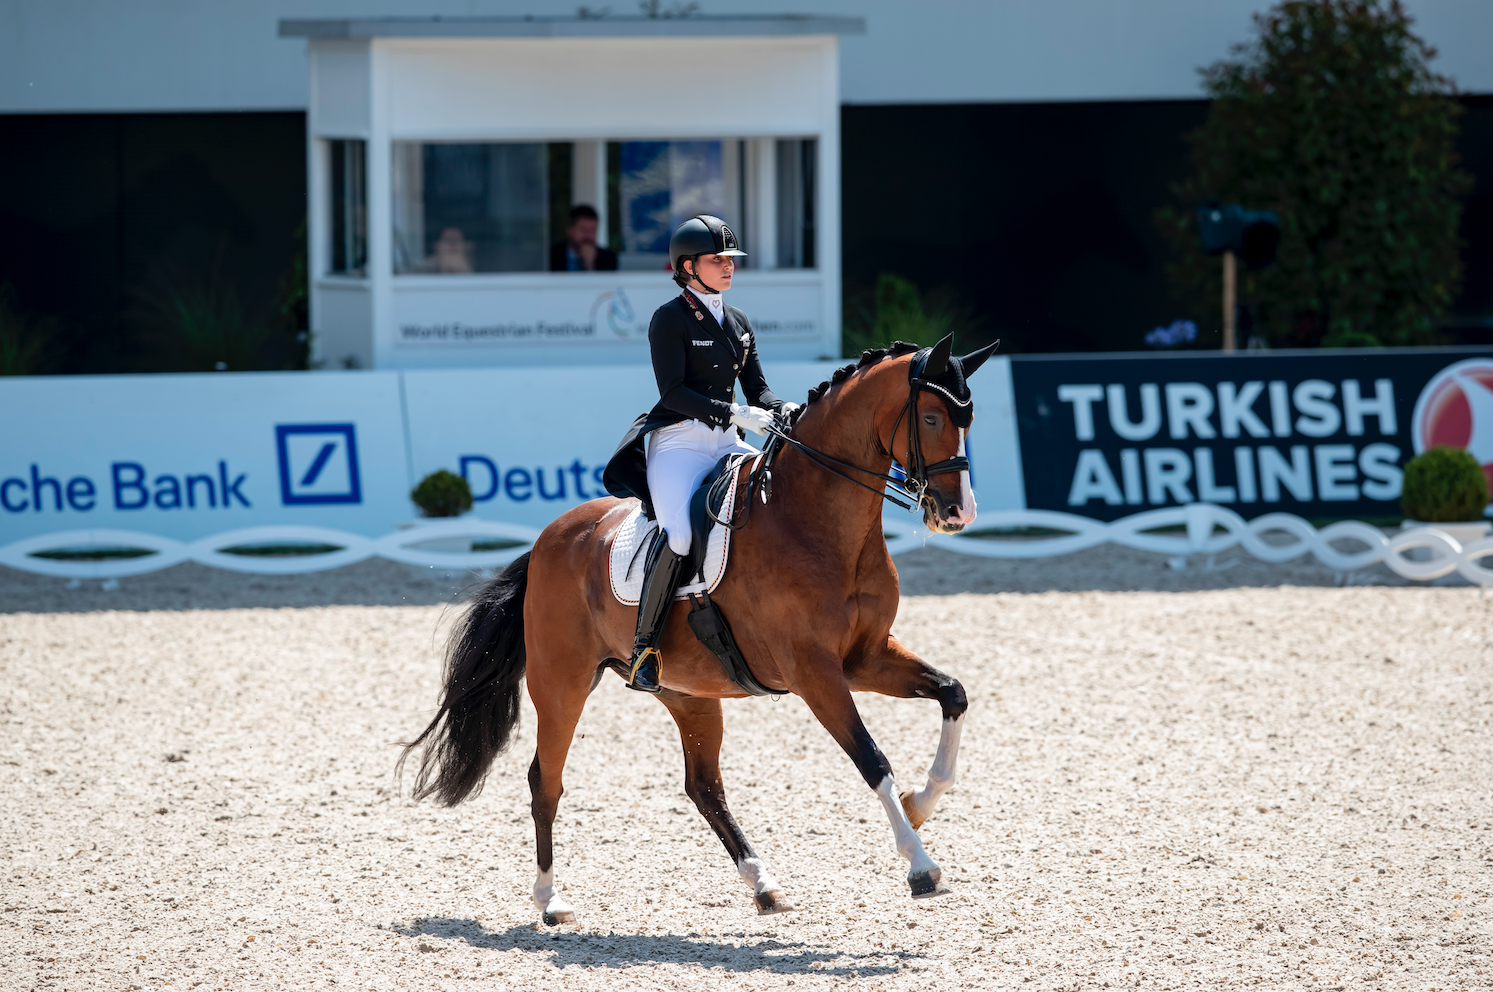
(704, 504)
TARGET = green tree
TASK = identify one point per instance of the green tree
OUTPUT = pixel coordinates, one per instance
(1333, 119)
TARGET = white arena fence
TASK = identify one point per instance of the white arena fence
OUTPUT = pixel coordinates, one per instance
(1346, 546)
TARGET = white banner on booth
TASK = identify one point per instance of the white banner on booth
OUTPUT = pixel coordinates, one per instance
(545, 317)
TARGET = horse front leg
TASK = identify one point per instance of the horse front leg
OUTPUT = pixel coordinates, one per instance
(828, 696)
(700, 733)
(896, 671)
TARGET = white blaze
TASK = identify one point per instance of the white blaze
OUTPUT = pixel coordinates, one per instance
(966, 493)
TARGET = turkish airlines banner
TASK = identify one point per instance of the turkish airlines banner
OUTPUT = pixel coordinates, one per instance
(1314, 433)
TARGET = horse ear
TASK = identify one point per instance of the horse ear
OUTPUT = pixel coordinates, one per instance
(938, 358)
(971, 362)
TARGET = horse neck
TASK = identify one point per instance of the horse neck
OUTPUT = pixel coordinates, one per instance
(846, 424)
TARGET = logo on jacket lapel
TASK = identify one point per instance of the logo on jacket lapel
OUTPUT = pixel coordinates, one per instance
(702, 344)
(699, 315)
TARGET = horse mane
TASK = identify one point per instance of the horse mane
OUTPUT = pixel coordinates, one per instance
(869, 357)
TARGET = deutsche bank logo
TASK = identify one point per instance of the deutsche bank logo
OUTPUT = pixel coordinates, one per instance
(318, 463)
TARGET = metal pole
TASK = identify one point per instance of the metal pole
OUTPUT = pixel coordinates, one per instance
(1229, 344)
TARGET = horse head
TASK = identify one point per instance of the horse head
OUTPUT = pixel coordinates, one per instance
(933, 444)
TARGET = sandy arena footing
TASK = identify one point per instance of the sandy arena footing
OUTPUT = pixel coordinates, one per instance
(1168, 780)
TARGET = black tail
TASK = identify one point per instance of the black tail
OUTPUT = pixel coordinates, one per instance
(479, 707)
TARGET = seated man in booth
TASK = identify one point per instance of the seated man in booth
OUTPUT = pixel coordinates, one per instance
(579, 252)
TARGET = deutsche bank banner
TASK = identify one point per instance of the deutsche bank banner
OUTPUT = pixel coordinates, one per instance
(1317, 434)
(189, 456)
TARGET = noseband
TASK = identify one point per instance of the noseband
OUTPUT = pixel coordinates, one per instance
(914, 484)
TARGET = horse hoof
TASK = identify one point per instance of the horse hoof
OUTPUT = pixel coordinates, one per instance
(910, 808)
(772, 902)
(927, 884)
(554, 919)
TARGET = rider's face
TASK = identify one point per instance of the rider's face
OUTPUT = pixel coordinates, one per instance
(715, 271)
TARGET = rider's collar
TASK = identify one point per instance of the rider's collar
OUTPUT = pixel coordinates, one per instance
(713, 302)
(949, 384)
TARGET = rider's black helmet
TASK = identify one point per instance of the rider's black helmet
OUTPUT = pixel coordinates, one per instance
(702, 234)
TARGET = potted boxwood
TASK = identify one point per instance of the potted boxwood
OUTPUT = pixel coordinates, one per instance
(443, 494)
(1445, 488)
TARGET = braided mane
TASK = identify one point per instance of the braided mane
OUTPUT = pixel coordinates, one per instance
(868, 358)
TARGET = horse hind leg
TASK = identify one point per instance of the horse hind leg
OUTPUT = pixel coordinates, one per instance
(553, 908)
(559, 708)
(700, 733)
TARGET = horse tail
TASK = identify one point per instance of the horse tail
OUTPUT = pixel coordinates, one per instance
(485, 663)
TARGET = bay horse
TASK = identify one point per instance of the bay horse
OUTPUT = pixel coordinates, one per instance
(810, 593)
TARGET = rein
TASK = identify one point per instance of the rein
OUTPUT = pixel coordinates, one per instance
(912, 486)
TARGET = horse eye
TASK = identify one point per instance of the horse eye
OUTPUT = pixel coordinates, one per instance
(930, 420)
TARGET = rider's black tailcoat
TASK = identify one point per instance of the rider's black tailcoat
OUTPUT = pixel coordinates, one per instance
(697, 363)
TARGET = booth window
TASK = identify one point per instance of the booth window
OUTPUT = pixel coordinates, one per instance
(349, 228)
(661, 184)
(461, 208)
(507, 206)
(797, 163)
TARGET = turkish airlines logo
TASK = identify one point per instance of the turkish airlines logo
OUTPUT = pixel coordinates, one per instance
(1455, 410)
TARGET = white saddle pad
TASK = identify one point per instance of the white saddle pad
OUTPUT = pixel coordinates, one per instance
(630, 549)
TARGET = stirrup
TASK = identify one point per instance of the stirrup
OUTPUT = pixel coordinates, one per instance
(647, 684)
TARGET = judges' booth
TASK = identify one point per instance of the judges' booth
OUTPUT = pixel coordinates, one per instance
(461, 170)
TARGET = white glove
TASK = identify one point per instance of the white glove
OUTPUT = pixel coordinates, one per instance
(751, 418)
(786, 410)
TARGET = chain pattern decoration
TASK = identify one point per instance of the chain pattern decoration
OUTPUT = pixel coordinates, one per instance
(1210, 530)
(400, 546)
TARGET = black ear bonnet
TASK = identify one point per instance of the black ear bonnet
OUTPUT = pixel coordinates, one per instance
(937, 371)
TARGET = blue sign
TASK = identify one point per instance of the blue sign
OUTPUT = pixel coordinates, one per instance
(1318, 433)
(318, 463)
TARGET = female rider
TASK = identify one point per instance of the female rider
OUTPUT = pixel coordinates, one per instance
(700, 347)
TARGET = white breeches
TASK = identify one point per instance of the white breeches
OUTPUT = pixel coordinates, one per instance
(678, 458)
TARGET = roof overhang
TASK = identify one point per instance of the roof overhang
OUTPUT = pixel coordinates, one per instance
(763, 25)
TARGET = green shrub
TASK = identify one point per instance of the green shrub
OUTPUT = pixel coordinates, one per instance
(1334, 119)
(442, 494)
(1444, 485)
(896, 311)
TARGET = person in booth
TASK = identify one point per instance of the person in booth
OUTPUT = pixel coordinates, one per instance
(579, 252)
(700, 347)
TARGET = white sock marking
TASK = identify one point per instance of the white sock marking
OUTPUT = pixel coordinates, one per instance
(941, 776)
(546, 899)
(909, 845)
(755, 874)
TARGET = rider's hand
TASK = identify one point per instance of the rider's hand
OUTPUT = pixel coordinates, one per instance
(786, 410)
(751, 418)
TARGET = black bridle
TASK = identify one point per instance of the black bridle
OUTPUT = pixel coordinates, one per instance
(912, 486)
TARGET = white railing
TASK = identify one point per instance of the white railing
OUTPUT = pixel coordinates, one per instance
(1202, 522)
(1209, 530)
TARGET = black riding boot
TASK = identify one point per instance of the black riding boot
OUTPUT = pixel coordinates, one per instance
(660, 579)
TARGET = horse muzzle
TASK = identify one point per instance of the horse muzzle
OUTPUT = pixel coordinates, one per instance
(942, 516)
